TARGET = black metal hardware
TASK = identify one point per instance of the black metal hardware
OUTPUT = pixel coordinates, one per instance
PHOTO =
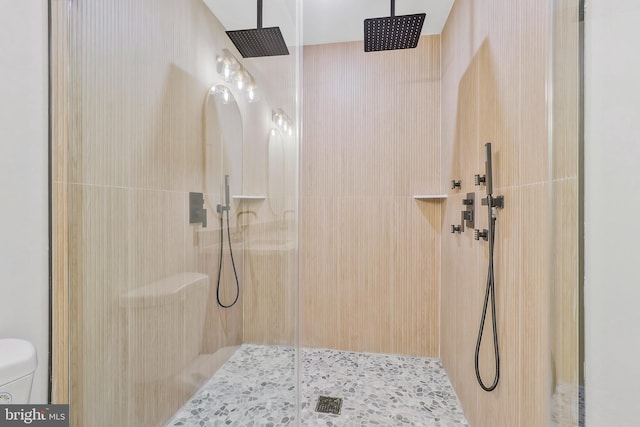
(259, 42)
(456, 229)
(393, 32)
(456, 184)
(197, 212)
(484, 234)
(329, 405)
(468, 215)
(479, 179)
(496, 202)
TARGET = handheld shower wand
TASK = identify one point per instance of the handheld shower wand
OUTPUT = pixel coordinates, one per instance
(227, 203)
(226, 191)
(221, 209)
(488, 166)
(490, 293)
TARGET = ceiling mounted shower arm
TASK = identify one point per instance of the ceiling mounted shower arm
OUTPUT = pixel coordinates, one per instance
(259, 13)
(393, 7)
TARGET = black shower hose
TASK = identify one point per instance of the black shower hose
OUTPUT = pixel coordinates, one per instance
(233, 263)
(490, 292)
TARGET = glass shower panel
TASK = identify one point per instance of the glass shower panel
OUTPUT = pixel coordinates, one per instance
(162, 106)
(566, 251)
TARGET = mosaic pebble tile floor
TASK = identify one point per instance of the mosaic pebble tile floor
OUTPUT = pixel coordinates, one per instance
(256, 387)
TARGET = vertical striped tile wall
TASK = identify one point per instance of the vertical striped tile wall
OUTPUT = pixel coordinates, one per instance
(370, 254)
(495, 79)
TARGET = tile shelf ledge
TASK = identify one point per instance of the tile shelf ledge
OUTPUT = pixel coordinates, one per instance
(245, 197)
(430, 197)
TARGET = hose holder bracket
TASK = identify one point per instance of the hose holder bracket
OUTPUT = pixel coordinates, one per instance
(496, 202)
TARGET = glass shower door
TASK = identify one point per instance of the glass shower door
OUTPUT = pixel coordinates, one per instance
(146, 274)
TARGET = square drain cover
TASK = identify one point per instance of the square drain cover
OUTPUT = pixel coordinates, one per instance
(329, 405)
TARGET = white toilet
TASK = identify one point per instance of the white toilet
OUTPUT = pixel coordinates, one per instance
(17, 365)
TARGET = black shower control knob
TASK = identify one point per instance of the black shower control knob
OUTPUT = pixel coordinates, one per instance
(456, 229)
(477, 234)
(479, 179)
(456, 184)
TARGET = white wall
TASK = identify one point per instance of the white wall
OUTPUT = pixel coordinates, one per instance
(612, 233)
(23, 179)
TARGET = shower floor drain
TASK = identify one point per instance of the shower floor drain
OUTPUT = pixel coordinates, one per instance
(329, 405)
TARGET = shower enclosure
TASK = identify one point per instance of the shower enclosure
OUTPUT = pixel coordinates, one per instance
(192, 252)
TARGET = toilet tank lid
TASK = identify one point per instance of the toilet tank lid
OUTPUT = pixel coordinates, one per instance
(17, 359)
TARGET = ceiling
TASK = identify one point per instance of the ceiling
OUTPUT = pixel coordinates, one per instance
(326, 21)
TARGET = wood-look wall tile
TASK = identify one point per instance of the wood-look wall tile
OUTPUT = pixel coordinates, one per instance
(449, 39)
(566, 89)
(323, 74)
(415, 276)
(466, 30)
(471, 279)
(319, 273)
(450, 168)
(415, 119)
(534, 57)
(257, 124)
(535, 307)
(460, 289)
(59, 90)
(376, 145)
(269, 293)
(501, 407)
(364, 284)
(99, 276)
(157, 222)
(466, 152)
(499, 100)
(461, 280)
(448, 285)
(565, 302)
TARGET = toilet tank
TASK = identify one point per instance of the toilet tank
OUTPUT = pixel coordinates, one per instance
(165, 325)
(17, 364)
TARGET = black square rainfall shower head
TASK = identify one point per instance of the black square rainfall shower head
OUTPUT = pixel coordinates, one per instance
(259, 41)
(393, 32)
